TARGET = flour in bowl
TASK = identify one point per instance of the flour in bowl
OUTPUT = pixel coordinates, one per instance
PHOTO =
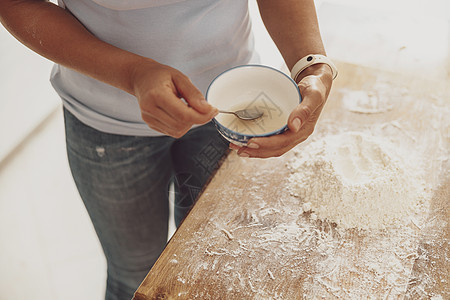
(357, 180)
(273, 118)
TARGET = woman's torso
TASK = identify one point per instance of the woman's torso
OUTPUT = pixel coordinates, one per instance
(201, 38)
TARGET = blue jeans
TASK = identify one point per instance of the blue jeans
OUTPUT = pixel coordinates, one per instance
(124, 180)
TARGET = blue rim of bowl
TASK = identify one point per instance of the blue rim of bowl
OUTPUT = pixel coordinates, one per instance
(280, 130)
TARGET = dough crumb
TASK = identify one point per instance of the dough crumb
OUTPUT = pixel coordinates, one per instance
(306, 207)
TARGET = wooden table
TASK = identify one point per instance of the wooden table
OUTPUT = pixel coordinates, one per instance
(246, 238)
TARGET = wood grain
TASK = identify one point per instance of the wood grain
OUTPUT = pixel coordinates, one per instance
(246, 237)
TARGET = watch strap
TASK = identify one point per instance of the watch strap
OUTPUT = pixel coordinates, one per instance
(312, 59)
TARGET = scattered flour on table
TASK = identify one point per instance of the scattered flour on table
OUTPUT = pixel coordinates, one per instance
(379, 99)
(358, 180)
(366, 103)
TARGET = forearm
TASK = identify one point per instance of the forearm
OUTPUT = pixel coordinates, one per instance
(55, 34)
(293, 26)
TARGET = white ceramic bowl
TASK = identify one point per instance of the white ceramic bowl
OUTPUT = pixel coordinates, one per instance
(256, 86)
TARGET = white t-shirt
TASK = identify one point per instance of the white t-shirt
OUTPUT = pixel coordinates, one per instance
(201, 38)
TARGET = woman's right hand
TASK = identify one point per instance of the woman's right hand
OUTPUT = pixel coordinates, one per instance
(57, 35)
(160, 90)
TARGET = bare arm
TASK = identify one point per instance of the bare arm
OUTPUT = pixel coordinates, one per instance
(57, 35)
(293, 26)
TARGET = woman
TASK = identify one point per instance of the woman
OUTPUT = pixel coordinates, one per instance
(132, 75)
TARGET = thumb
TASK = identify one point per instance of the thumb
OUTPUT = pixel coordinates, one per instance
(301, 114)
(298, 117)
(192, 95)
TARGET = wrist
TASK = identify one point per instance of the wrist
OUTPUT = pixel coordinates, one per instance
(321, 70)
(311, 60)
(135, 72)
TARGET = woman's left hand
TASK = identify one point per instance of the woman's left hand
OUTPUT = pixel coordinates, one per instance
(315, 85)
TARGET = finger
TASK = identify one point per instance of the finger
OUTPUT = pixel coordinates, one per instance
(192, 95)
(276, 145)
(154, 126)
(178, 110)
(272, 142)
(270, 147)
(158, 125)
(234, 146)
(312, 100)
(245, 152)
(168, 122)
(263, 153)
